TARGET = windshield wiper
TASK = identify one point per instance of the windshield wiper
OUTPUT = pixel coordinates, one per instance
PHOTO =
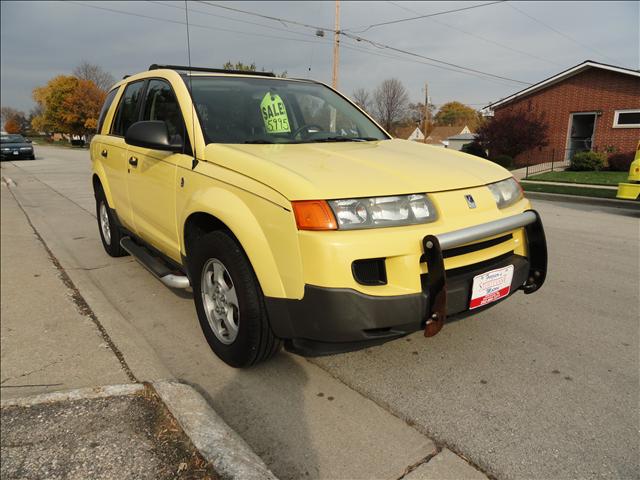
(260, 140)
(344, 139)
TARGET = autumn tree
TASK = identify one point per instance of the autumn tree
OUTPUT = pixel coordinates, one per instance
(362, 98)
(16, 119)
(11, 126)
(390, 102)
(94, 73)
(68, 105)
(512, 133)
(456, 113)
(82, 107)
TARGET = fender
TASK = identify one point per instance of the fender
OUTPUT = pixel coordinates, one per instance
(279, 274)
(98, 171)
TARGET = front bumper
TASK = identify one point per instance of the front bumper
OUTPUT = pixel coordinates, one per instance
(20, 155)
(334, 320)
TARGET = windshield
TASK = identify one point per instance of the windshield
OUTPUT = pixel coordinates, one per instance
(12, 139)
(262, 110)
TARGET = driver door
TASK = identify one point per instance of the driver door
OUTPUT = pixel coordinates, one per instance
(153, 178)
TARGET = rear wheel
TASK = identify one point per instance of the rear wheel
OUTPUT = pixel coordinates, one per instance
(229, 302)
(110, 232)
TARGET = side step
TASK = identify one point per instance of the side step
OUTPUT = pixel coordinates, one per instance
(152, 263)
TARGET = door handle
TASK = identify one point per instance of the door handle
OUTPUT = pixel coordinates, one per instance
(104, 153)
(133, 161)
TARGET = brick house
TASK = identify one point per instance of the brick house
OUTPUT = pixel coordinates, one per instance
(592, 106)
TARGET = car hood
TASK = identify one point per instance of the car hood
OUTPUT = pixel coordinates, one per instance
(356, 169)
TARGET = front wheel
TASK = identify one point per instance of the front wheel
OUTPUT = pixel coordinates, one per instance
(110, 232)
(229, 302)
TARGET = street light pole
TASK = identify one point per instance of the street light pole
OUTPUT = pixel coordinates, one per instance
(336, 46)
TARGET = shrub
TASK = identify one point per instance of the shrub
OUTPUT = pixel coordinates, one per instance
(474, 148)
(503, 160)
(586, 162)
(620, 162)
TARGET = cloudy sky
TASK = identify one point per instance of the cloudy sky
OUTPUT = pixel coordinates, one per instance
(523, 42)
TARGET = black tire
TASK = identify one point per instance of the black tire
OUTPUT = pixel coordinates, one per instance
(255, 341)
(111, 245)
(32, 157)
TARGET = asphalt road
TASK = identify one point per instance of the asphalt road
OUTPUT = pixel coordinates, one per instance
(542, 386)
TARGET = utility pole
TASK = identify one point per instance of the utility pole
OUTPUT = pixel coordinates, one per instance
(427, 112)
(336, 46)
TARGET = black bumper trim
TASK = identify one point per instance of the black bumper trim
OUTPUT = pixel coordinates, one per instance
(332, 320)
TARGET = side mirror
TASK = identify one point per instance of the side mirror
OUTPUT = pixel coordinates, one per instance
(151, 134)
(28, 140)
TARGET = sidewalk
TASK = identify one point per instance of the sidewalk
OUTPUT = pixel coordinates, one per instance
(51, 344)
(569, 184)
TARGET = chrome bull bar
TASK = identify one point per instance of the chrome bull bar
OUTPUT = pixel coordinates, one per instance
(489, 229)
(434, 245)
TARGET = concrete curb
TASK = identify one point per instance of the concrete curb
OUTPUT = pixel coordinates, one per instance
(232, 458)
(77, 394)
(603, 202)
(229, 454)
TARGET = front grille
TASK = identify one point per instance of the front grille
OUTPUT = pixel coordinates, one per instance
(479, 265)
(474, 247)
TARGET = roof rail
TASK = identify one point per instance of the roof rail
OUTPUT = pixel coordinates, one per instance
(155, 66)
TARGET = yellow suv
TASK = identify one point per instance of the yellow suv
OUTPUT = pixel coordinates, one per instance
(296, 218)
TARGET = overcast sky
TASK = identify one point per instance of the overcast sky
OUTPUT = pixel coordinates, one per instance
(524, 41)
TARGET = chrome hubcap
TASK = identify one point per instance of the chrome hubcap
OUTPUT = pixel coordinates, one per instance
(104, 223)
(220, 301)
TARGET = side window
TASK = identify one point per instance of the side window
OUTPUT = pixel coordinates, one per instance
(161, 104)
(105, 108)
(127, 112)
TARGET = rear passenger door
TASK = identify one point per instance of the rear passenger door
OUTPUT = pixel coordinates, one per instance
(153, 179)
(114, 151)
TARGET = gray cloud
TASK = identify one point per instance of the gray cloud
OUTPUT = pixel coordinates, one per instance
(41, 39)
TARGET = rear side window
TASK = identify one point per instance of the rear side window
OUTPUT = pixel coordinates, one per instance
(127, 113)
(161, 104)
(105, 108)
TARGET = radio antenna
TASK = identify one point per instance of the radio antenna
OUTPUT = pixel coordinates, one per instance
(193, 102)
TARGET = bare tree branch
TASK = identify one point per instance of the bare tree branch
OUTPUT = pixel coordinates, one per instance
(95, 73)
(390, 102)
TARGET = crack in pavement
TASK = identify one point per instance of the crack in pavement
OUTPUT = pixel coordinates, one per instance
(76, 297)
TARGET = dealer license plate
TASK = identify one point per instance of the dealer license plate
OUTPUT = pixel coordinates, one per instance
(491, 286)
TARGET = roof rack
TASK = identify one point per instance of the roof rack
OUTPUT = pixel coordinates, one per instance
(155, 66)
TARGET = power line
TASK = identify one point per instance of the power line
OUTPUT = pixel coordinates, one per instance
(400, 20)
(207, 27)
(413, 54)
(362, 39)
(169, 5)
(412, 60)
(268, 17)
(560, 32)
(501, 45)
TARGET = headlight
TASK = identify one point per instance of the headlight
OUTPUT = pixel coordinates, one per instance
(507, 192)
(6, 149)
(25, 149)
(383, 211)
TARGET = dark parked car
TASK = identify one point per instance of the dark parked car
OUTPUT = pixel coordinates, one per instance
(14, 147)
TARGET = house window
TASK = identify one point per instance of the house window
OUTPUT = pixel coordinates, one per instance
(626, 119)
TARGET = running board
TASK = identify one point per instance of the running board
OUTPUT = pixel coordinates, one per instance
(154, 265)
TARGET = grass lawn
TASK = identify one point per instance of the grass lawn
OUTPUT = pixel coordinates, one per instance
(568, 190)
(593, 178)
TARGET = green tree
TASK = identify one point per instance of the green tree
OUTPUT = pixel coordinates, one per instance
(456, 113)
(247, 67)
